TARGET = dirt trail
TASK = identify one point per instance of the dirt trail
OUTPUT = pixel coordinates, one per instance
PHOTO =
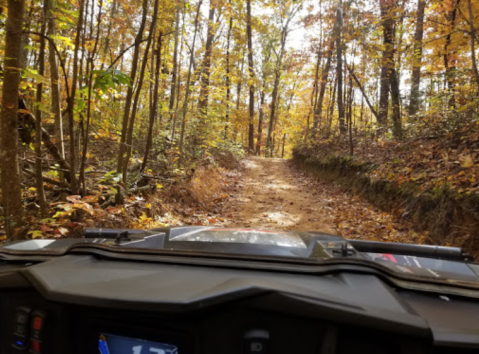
(271, 194)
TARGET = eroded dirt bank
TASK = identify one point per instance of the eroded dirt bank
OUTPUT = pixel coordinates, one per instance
(272, 194)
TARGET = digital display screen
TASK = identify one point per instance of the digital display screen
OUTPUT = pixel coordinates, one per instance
(113, 344)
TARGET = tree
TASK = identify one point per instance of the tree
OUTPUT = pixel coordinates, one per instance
(38, 126)
(473, 48)
(10, 173)
(339, 70)
(251, 77)
(126, 115)
(54, 79)
(416, 71)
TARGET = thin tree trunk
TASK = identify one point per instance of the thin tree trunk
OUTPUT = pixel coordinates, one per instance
(11, 182)
(178, 81)
(175, 64)
(314, 102)
(473, 49)
(417, 57)
(90, 86)
(450, 66)
(339, 70)
(261, 117)
(38, 126)
(153, 111)
(129, 96)
(238, 97)
(331, 108)
(205, 77)
(397, 126)
(277, 75)
(228, 79)
(188, 80)
(131, 123)
(55, 81)
(363, 92)
(251, 77)
(324, 80)
(71, 104)
(387, 60)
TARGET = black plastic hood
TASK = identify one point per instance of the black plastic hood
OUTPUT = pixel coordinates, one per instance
(434, 262)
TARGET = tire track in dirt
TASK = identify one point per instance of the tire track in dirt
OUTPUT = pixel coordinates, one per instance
(271, 194)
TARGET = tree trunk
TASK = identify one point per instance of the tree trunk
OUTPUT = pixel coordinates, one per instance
(238, 96)
(363, 92)
(38, 127)
(324, 80)
(55, 81)
(331, 108)
(473, 49)
(397, 127)
(251, 77)
(187, 89)
(177, 81)
(175, 64)
(315, 91)
(129, 95)
(417, 57)
(90, 86)
(155, 102)
(10, 173)
(261, 117)
(71, 104)
(450, 66)
(228, 78)
(339, 47)
(205, 73)
(277, 75)
(387, 64)
(131, 123)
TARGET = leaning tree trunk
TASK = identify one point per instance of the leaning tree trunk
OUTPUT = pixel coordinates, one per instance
(417, 57)
(10, 173)
(251, 77)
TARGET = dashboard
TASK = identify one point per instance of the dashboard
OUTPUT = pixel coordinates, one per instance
(86, 304)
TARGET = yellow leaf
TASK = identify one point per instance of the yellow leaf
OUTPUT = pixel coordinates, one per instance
(148, 206)
(466, 161)
(35, 233)
(159, 186)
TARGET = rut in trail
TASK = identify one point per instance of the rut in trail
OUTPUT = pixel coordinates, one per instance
(273, 195)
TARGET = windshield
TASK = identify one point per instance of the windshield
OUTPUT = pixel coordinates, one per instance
(297, 130)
